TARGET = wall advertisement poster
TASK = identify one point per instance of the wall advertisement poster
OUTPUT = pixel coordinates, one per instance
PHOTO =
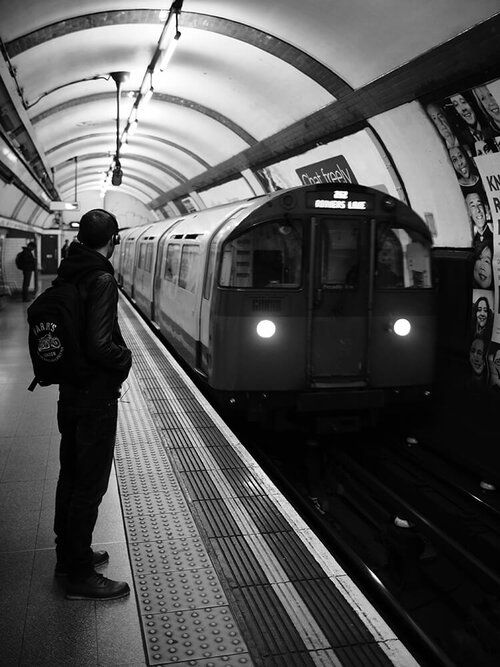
(468, 123)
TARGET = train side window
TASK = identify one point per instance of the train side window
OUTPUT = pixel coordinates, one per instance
(142, 256)
(210, 269)
(172, 262)
(128, 254)
(268, 256)
(402, 259)
(340, 254)
(149, 258)
(189, 268)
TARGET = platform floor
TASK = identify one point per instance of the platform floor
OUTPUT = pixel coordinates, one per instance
(224, 570)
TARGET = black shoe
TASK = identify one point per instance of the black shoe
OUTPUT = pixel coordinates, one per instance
(98, 559)
(96, 587)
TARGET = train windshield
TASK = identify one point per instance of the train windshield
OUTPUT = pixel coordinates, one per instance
(402, 259)
(267, 256)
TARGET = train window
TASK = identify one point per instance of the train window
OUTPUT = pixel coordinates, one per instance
(142, 256)
(210, 269)
(189, 268)
(340, 254)
(149, 258)
(267, 256)
(128, 253)
(172, 262)
(402, 259)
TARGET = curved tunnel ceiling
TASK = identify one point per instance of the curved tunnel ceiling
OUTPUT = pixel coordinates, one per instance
(245, 81)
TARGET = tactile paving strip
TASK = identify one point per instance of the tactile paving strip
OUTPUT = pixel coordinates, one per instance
(173, 573)
(186, 553)
(173, 591)
(209, 634)
(247, 514)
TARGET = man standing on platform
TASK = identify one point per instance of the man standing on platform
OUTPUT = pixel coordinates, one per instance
(26, 262)
(87, 415)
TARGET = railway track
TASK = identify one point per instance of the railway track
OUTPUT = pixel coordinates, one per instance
(423, 549)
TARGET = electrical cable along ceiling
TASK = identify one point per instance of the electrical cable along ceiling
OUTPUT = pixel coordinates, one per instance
(213, 87)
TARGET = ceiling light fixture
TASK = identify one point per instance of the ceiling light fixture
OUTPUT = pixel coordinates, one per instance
(167, 54)
(169, 39)
(147, 96)
(132, 128)
(118, 78)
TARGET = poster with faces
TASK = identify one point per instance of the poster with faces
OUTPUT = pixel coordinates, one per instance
(489, 169)
(468, 124)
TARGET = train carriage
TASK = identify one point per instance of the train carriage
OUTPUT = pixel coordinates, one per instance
(316, 300)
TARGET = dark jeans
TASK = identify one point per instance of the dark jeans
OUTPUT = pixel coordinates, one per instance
(26, 283)
(86, 455)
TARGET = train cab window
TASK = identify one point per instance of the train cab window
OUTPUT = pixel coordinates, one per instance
(172, 262)
(402, 259)
(268, 256)
(189, 268)
(340, 254)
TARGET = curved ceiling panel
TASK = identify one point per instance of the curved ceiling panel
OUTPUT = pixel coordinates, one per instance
(358, 40)
(86, 54)
(155, 180)
(173, 161)
(32, 18)
(246, 77)
(139, 139)
(140, 192)
(254, 88)
(99, 162)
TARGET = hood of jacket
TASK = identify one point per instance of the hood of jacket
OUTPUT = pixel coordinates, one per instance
(80, 261)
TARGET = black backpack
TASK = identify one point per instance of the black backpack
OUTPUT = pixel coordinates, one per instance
(19, 260)
(56, 326)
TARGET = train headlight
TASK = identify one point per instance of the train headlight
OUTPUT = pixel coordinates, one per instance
(266, 328)
(401, 327)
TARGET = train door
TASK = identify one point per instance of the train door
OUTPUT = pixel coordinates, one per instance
(337, 302)
(159, 268)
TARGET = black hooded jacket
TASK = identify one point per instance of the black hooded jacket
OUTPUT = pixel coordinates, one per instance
(104, 346)
(26, 260)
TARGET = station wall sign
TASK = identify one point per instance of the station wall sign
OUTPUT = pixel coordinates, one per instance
(333, 170)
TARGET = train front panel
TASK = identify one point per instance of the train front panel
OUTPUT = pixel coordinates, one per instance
(313, 298)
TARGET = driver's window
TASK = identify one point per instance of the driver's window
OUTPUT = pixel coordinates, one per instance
(340, 254)
(268, 256)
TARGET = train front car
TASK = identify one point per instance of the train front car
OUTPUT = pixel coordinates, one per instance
(323, 308)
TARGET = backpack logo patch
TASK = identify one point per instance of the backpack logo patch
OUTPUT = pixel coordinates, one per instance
(49, 347)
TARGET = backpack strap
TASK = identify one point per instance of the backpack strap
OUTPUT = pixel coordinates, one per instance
(33, 384)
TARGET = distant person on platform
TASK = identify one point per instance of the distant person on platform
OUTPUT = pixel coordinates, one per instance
(64, 249)
(26, 262)
(87, 414)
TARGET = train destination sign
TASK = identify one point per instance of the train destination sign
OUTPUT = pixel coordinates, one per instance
(340, 200)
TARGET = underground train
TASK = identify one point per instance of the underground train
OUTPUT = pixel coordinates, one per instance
(314, 303)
